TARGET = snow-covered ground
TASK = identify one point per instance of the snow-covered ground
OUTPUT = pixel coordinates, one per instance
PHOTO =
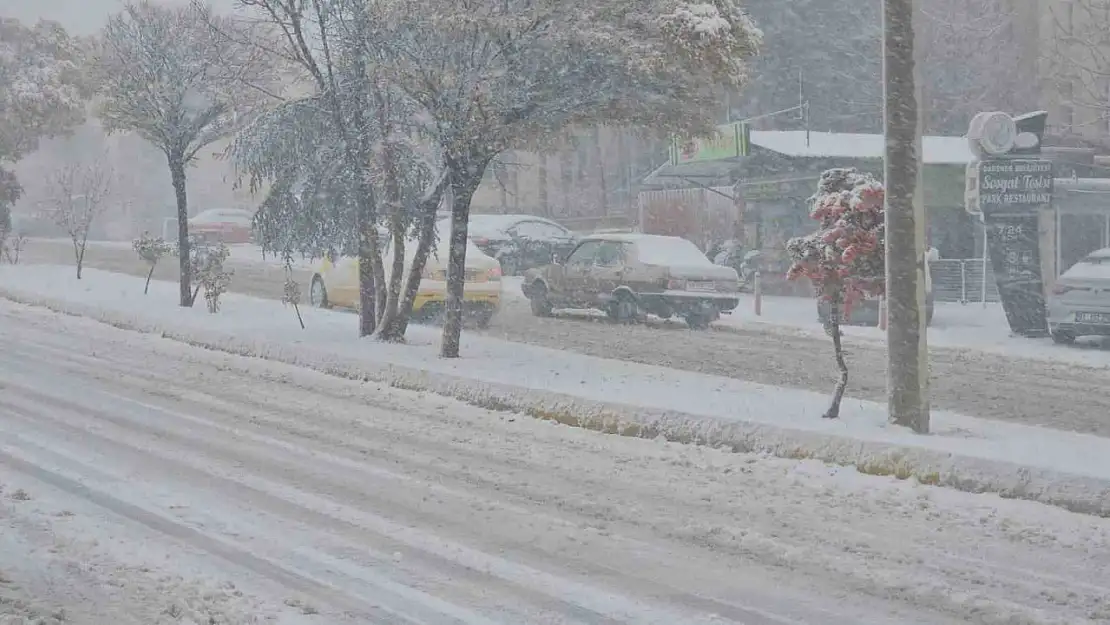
(327, 344)
(241, 253)
(163, 483)
(971, 326)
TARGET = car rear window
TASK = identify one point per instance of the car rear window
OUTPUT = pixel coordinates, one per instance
(670, 252)
(1097, 267)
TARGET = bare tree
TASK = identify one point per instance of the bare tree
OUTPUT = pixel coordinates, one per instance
(1079, 61)
(179, 84)
(78, 195)
(976, 57)
(11, 246)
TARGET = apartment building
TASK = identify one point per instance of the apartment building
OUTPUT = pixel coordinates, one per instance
(589, 177)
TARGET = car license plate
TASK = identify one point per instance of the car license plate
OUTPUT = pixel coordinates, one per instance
(1092, 317)
(701, 286)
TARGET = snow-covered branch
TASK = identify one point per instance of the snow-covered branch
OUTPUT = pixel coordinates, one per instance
(176, 82)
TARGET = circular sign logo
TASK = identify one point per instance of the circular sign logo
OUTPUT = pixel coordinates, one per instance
(994, 133)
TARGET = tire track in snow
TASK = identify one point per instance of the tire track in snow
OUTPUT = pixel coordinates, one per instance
(580, 593)
(618, 492)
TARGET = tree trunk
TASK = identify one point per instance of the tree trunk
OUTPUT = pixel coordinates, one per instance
(420, 257)
(370, 278)
(599, 164)
(463, 185)
(77, 256)
(177, 175)
(149, 275)
(84, 245)
(367, 287)
(833, 328)
(905, 369)
(390, 329)
(541, 175)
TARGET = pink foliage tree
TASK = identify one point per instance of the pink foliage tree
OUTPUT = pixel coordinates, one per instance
(844, 258)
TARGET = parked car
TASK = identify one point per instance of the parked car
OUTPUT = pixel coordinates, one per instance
(629, 275)
(866, 312)
(229, 225)
(519, 242)
(335, 282)
(1079, 304)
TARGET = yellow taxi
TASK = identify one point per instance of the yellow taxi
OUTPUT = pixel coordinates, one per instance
(335, 283)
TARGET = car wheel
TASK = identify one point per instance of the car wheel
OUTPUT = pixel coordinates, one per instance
(541, 305)
(623, 308)
(318, 293)
(698, 321)
(1063, 338)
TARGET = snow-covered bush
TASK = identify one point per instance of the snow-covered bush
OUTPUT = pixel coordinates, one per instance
(291, 292)
(206, 266)
(844, 258)
(151, 249)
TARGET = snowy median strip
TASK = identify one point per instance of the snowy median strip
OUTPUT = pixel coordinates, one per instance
(1039, 464)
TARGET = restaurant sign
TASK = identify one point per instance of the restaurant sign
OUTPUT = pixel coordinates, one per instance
(1012, 186)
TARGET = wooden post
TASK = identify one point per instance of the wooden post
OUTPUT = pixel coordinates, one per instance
(757, 289)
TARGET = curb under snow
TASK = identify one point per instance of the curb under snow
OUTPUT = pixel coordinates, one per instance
(1083, 494)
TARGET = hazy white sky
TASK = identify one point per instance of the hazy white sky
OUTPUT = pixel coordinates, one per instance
(81, 17)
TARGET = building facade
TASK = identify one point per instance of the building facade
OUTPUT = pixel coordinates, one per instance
(590, 177)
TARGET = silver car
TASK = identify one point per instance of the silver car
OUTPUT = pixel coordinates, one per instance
(1080, 301)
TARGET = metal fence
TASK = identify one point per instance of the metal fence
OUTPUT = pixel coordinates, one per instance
(962, 280)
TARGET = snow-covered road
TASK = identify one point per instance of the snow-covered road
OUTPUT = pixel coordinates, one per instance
(144, 481)
(990, 385)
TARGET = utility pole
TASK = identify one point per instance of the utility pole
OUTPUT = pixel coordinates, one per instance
(907, 351)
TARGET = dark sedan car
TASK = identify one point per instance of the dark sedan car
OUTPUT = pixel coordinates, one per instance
(519, 242)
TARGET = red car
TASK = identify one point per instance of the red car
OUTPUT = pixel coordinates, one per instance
(230, 225)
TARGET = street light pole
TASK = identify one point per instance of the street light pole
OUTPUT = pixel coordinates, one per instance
(907, 352)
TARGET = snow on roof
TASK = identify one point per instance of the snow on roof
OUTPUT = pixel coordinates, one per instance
(938, 150)
(491, 225)
(624, 237)
(657, 249)
(223, 215)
